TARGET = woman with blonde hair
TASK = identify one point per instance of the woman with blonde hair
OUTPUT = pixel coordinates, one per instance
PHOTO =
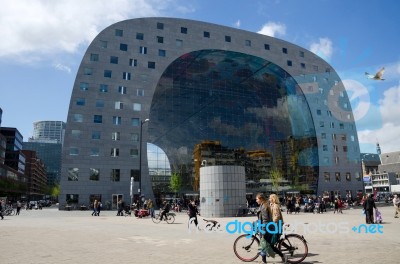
(275, 208)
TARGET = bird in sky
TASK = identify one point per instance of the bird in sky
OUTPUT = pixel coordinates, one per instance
(377, 76)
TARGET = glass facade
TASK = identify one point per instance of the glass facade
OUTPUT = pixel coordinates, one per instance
(250, 109)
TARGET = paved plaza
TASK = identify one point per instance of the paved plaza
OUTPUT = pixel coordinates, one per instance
(50, 236)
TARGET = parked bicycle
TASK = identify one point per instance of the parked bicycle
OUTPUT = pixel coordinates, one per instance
(293, 246)
(9, 210)
(169, 219)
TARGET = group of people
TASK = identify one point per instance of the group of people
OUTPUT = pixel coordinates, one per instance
(97, 205)
(269, 211)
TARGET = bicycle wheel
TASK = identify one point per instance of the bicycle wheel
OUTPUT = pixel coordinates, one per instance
(294, 247)
(156, 219)
(170, 219)
(12, 212)
(246, 249)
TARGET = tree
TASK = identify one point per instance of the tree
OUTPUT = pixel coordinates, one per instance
(175, 183)
(276, 179)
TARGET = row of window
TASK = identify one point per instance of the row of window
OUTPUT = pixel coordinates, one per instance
(96, 135)
(343, 137)
(104, 88)
(326, 160)
(116, 120)
(95, 152)
(100, 103)
(335, 148)
(94, 174)
(338, 177)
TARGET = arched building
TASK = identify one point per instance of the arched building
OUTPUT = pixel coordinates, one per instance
(214, 95)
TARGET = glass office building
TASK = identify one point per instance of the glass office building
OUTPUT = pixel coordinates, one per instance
(214, 95)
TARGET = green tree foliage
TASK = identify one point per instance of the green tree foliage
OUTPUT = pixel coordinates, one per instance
(55, 190)
(175, 183)
(276, 179)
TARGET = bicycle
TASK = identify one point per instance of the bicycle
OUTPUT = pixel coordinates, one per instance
(293, 246)
(169, 219)
(9, 211)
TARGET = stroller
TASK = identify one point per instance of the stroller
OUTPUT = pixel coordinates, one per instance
(378, 217)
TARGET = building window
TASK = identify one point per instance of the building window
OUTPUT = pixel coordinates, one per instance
(88, 71)
(103, 44)
(114, 152)
(143, 50)
(325, 147)
(321, 124)
(266, 46)
(107, 73)
(122, 89)
(151, 65)
(94, 174)
(323, 136)
(336, 160)
(315, 67)
(119, 105)
(247, 43)
(206, 34)
(303, 65)
(72, 198)
(73, 174)
(318, 112)
(99, 103)
(137, 107)
(358, 176)
(332, 125)
(179, 43)
(76, 134)
(140, 92)
(344, 148)
(115, 175)
(77, 118)
(327, 176)
(160, 25)
(337, 176)
(119, 32)
(134, 153)
(94, 152)
(139, 36)
(116, 120)
(161, 53)
(94, 57)
(348, 176)
(73, 151)
(341, 126)
(343, 137)
(123, 47)
(103, 88)
(284, 50)
(135, 121)
(84, 86)
(183, 30)
(126, 76)
(227, 38)
(115, 136)
(134, 137)
(301, 54)
(97, 119)
(132, 62)
(80, 101)
(114, 60)
(96, 135)
(289, 63)
(160, 39)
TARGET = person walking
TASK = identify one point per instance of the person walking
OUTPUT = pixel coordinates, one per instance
(94, 213)
(193, 212)
(98, 209)
(396, 204)
(150, 206)
(1, 209)
(19, 205)
(369, 205)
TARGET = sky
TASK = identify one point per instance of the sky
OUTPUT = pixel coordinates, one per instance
(43, 42)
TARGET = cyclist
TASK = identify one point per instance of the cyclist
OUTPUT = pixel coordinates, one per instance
(165, 210)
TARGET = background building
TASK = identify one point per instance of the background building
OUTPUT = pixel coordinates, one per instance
(35, 172)
(48, 132)
(200, 82)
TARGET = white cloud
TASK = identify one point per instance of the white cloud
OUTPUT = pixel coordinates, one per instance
(237, 24)
(388, 134)
(34, 28)
(61, 67)
(323, 48)
(273, 29)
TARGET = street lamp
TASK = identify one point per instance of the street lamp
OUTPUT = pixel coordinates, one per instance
(140, 156)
